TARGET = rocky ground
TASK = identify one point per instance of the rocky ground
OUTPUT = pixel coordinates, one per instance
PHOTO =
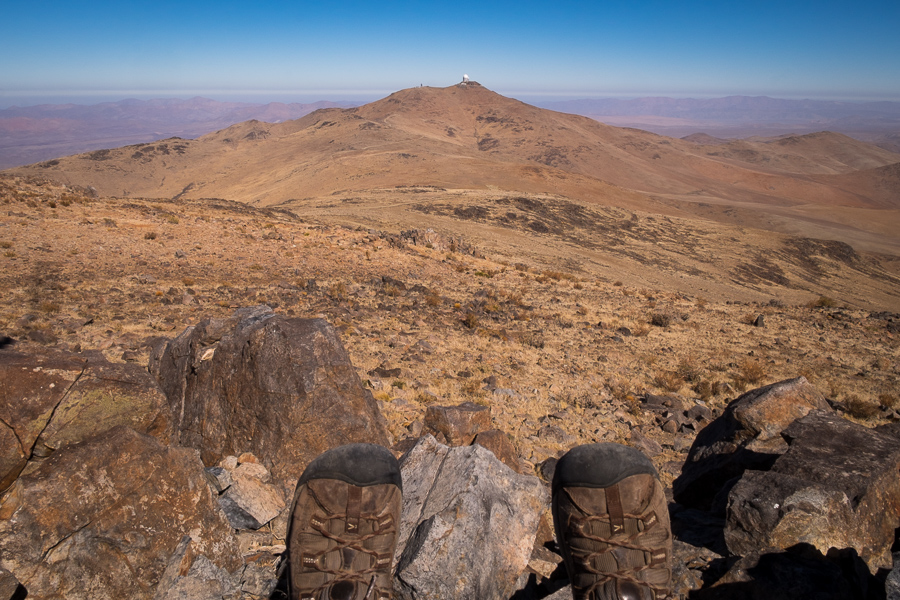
(427, 320)
(561, 358)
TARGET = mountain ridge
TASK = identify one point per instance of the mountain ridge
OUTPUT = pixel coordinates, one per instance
(471, 144)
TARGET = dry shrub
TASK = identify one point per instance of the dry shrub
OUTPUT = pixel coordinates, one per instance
(704, 389)
(689, 370)
(661, 319)
(470, 320)
(535, 339)
(888, 401)
(150, 235)
(472, 388)
(5, 245)
(640, 330)
(50, 307)
(669, 381)
(491, 306)
(748, 372)
(861, 409)
(634, 405)
(188, 281)
(822, 302)
(338, 291)
(432, 300)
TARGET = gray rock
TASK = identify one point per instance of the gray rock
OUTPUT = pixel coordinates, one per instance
(196, 578)
(892, 584)
(555, 435)
(498, 442)
(219, 478)
(643, 443)
(98, 520)
(836, 487)
(469, 523)
(283, 388)
(745, 436)
(250, 501)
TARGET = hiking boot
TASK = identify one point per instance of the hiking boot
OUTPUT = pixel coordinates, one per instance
(344, 525)
(612, 524)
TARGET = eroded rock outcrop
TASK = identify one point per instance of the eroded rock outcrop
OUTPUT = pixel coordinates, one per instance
(468, 526)
(746, 436)
(282, 388)
(50, 398)
(837, 486)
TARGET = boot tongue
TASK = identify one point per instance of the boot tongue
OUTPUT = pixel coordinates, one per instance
(342, 590)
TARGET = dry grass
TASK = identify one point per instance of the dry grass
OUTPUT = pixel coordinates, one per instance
(542, 342)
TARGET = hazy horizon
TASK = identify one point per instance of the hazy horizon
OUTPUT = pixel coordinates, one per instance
(360, 97)
(278, 51)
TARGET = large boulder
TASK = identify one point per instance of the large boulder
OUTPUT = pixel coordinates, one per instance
(100, 519)
(282, 388)
(468, 526)
(51, 398)
(746, 436)
(837, 486)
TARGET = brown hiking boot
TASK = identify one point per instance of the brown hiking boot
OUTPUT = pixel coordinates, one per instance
(612, 524)
(344, 525)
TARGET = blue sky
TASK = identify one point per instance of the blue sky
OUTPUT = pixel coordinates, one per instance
(266, 50)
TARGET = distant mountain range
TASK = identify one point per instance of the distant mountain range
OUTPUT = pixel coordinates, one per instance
(744, 116)
(36, 133)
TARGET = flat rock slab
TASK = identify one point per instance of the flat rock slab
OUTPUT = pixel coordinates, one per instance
(100, 519)
(837, 486)
(468, 526)
(282, 388)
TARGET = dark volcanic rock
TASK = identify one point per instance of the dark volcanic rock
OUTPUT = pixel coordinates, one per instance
(745, 436)
(498, 442)
(469, 523)
(837, 486)
(800, 572)
(51, 398)
(459, 424)
(282, 388)
(100, 519)
(10, 588)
